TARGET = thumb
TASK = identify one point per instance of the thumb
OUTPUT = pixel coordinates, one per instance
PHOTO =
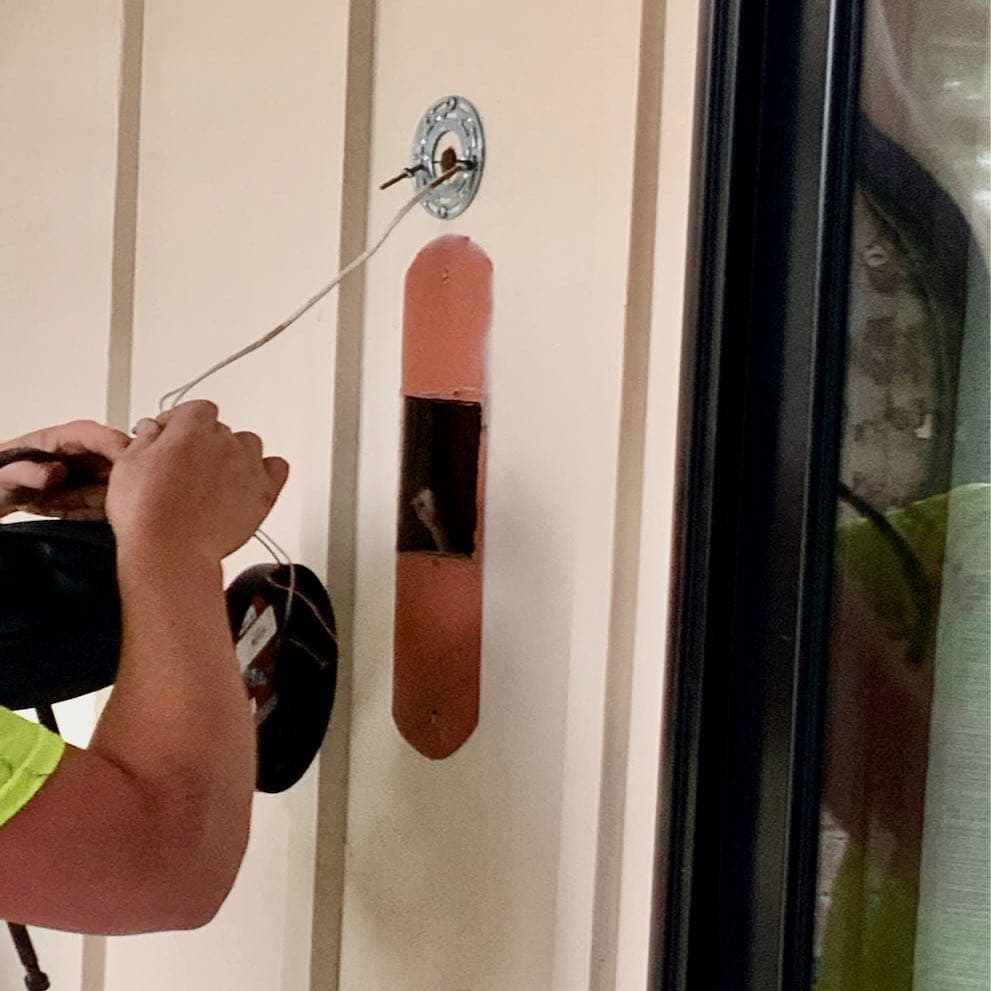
(277, 470)
(32, 475)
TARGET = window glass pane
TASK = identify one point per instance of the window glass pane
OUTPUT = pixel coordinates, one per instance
(904, 859)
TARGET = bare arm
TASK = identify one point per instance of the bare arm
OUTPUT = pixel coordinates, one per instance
(146, 828)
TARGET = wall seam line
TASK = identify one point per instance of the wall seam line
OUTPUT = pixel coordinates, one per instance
(332, 801)
(93, 971)
(627, 525)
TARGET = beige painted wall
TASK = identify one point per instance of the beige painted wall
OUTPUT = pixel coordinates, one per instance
(677, 88)
(480, 872)
(58, 126)
(519, 862)
(239, 212)
(59, 64)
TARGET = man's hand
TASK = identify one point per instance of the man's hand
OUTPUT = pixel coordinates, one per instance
(75, 486)
(146, 828)
(188, 484)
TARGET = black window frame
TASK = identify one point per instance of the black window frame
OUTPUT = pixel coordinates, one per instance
(763, 375)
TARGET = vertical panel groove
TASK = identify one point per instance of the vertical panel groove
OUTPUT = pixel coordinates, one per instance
(93, 976)
(629, 502)
(125, 215)
(333, 783)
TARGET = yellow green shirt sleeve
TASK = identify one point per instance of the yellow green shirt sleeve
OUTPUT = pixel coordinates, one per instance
(28, 755)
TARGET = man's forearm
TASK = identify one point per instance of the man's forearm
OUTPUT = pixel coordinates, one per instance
(178, 720)
(145, 829)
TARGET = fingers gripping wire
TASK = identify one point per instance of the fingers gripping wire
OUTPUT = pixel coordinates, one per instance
(175, 396)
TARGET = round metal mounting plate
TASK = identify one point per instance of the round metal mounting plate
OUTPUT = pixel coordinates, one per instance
(451, 123)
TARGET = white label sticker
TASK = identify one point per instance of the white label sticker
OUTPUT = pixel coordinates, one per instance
(261, 714)
(254, 641)
(249, 617)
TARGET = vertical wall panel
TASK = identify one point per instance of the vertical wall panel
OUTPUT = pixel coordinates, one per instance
(59, 75)
(238, 221)
(477, 871)
(58, 118)
(678, 69)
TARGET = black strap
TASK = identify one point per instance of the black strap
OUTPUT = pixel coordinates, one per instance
(35, 979)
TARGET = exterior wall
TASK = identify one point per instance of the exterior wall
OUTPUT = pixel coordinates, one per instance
(479, 871)
(522, 860)
(59, 65)
(239, 212)
(676, 88)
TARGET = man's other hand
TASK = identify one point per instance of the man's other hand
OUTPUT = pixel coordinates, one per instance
(75, 486)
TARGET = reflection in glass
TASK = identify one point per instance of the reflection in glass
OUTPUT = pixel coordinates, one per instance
(905, 878)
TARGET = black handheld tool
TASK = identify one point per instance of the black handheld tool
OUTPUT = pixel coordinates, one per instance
(60, 633)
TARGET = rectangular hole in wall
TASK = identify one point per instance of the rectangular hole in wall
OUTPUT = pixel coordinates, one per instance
(439, 481)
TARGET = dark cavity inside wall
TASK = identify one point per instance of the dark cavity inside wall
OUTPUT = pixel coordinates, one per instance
(439, 482)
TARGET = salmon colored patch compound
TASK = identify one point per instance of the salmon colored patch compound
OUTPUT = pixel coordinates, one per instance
(438, 630)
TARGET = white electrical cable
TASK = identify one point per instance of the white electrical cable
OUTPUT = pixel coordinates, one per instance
(281, 557)
(175, 396)
(275, 550)
(172, 398)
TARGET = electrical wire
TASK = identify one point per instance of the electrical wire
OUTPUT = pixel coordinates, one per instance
(282, 558)
(919, 586)
(174, 396)
(275, 550)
